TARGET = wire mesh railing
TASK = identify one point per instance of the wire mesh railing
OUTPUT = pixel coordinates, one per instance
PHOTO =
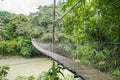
(99, 46)
(88, 54)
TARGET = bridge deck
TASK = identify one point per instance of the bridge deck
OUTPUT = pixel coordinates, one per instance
(77, 68)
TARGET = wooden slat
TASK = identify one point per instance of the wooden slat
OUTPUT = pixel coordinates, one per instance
(77, 68)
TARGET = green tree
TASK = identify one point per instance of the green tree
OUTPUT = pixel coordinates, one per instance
(15, 23)
(5, 17)
(95, 25)
(41, 23)
(53, 73)
(3, 72)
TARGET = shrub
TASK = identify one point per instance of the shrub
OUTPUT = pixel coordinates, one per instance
(3, 72)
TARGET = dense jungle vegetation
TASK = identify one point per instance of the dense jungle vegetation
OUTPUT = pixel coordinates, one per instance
(14, 41)
(92, 28)
(95, 25)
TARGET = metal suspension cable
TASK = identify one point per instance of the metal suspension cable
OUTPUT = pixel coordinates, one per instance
(58, 20)
(68, 11)
(113, 3)
(113, 43)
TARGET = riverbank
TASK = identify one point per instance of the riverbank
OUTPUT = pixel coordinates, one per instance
(8, 57)
(18, 56)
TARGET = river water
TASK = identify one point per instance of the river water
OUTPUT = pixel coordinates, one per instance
(27, 66)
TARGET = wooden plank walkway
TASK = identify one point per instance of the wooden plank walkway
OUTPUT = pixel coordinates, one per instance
(86, 73)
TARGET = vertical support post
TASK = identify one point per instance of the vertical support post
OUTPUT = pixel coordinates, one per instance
(98, 34)
(53, 29)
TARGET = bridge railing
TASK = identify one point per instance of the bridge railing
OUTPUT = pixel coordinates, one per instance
(99, 55)
(94, 53)
(100, 46)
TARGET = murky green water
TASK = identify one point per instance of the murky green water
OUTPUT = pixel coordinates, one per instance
(27, 67)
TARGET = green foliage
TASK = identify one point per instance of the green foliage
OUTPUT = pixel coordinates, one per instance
(5, 17)
(116, 72)
(96, 58)
(41, 23)
(3, 72)
(11, 46)
(25, 51)
(18, 46)
(46, 38)
(82, 25)
(92, 30)
(13, 40)
(15, 23)
(25, 46)
(64, 49)
(53, 73)
(3, 46)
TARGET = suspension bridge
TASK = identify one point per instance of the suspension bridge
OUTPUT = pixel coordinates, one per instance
(78, 69)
